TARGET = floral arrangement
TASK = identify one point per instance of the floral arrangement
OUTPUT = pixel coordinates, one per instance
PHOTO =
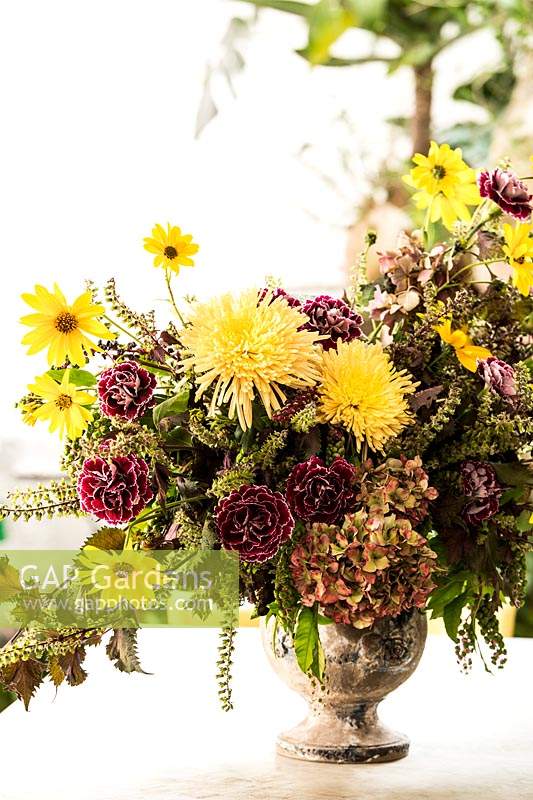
(365, 457)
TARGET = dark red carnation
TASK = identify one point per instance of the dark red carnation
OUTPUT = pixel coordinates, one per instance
(480, 509)
(479, 479)
(506, 190)
(292, 301)
(126, 390)
(317, 493)
(115, 490)
(480, 484)
(254, 521)
(331, 317)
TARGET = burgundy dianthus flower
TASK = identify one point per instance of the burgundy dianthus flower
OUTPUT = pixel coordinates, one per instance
(115, 490)
(331, 317)
(254, 521)
(317, 493)
(279, 292)
(499, 377)
(506, 190)
(126, 390)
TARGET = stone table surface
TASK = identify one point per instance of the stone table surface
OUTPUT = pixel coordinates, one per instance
(162, 736)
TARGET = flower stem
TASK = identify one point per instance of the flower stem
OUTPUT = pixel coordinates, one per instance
(123, 330)
(168, 280)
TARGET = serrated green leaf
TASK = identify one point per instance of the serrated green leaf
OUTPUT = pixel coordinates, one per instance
(106, 539)
(172, 406)
(79, 377)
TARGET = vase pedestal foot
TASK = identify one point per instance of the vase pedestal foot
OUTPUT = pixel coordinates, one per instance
(359, 738)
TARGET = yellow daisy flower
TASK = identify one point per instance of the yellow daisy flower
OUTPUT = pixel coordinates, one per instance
(244, 346)
(467, 352)
(518, 248)
(172, 248)
(128, 576)
(61, 327)
(446, 184)
(361, 390)
(63, 405)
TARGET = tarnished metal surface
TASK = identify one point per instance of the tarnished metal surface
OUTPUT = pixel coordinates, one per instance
(362, 667)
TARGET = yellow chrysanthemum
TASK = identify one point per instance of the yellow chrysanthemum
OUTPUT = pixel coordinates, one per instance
(446, 184)
(243, 346)
(61, 327)
(172, 248)
(518, 248)
(361, 390)
(467, 352)
(64, 405)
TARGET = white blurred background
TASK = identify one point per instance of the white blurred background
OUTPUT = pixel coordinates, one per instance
(99, 104)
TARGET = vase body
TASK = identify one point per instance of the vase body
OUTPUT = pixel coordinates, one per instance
(362, 667)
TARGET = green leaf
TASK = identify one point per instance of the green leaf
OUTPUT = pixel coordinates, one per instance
(514, 474)
(79, 377)
(171, 406)
(452, 615)
(179, 438)
(288, 6)
(371, 14)
(441, 597)
(106, 539)
(9, 580)
(522, 523)
(305, 638)
(328, 20)
(309, 651)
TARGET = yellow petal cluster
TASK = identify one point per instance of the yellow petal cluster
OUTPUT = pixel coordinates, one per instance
(518, 248)
(172, 248)
(467, 352)
(241, 347)
(446, 184)
(62, 327)
(361, 390)
(64, 405)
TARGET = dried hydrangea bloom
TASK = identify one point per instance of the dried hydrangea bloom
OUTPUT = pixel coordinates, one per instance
(372, 567)
(399, 486)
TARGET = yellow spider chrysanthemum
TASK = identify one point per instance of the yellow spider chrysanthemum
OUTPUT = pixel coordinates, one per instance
(518, 248)
(64, 405)
(244, 346)
(467, 352)
(361, 390)
(61, 327)
(446, 184)
(172, 248)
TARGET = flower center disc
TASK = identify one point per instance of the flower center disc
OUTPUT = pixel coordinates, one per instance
(123, 569)
(439, 172)
(64, 401)
(66, 322)
(170, 252)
